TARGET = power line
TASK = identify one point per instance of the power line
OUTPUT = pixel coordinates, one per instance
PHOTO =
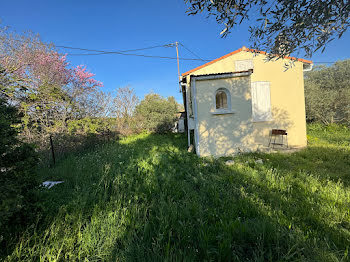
(323, 62)
(121, 51)
(191, 52)
(124, 52)
(140, 55)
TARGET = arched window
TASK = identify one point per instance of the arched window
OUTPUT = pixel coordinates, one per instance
(221, 99)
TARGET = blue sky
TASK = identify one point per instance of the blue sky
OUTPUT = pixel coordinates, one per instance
(119, 25)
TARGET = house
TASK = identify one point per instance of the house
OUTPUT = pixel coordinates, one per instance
(233, 102)
(180, 122)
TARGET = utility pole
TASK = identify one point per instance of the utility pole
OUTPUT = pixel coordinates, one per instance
(178, 62)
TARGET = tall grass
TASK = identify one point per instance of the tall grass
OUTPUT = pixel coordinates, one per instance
(145, 198)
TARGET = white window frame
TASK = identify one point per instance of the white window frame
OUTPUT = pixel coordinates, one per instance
(221, 111)
(267, 112)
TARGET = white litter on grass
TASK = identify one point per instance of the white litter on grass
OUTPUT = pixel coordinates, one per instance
(259, 161)
(229, 162)
(49, 184)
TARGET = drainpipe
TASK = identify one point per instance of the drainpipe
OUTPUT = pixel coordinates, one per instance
(187, 114)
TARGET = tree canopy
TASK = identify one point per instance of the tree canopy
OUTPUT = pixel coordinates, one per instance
(281, 26)
(156, 113)
(327, 93)
(47, 90)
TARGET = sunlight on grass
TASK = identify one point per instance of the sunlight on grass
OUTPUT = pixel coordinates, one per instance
(146, 198)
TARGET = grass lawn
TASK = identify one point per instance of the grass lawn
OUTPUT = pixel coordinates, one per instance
(145, 198)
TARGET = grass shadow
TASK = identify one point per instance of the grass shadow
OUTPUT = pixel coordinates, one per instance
(145, 198)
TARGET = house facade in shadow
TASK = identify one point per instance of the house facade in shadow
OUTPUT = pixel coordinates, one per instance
(234, 102)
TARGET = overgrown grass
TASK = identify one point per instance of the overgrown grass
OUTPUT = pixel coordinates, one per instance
(145, 198)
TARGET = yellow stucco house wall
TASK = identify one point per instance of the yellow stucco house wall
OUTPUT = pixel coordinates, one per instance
(250, 83)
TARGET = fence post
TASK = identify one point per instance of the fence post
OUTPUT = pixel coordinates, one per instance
(52, 151)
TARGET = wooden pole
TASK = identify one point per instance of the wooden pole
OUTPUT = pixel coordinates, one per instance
(52, 151)
(178, 62)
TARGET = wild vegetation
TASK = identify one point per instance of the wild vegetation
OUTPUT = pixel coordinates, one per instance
(131, 194)
(17, 179)
(50, 108)
(327, 93)
(145, 198)
(61, 102)
(156, 113)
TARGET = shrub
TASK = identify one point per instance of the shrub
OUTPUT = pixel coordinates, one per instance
(80, 135)
(17, 178)
(91, 125)
(156, 114)
(327, 93)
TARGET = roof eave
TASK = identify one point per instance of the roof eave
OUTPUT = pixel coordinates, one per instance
(222, 75)
(239, 50)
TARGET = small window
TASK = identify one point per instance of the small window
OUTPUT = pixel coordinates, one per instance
(221, 100)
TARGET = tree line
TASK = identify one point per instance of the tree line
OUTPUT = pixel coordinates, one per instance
(64, 102)
(48, 108)
(327, 93)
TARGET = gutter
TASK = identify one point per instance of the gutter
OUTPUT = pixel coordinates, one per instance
(221, 75)
(307, 67)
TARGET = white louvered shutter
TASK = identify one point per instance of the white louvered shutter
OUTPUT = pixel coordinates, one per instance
(261, 101)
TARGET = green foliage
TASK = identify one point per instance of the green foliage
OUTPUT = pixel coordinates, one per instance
(45, 88)
(327, 93)
(281, 27)
(146, 198)
(17, 177)
(91, 125)
(156, 114)
(80, 135)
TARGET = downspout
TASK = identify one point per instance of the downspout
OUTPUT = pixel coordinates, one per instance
(194, 108)
(185, 86)
(187, 115)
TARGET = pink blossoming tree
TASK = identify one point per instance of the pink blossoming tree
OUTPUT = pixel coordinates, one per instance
(48, 90)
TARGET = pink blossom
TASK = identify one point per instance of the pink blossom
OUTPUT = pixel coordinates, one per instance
(45, 66)
(85, 78)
